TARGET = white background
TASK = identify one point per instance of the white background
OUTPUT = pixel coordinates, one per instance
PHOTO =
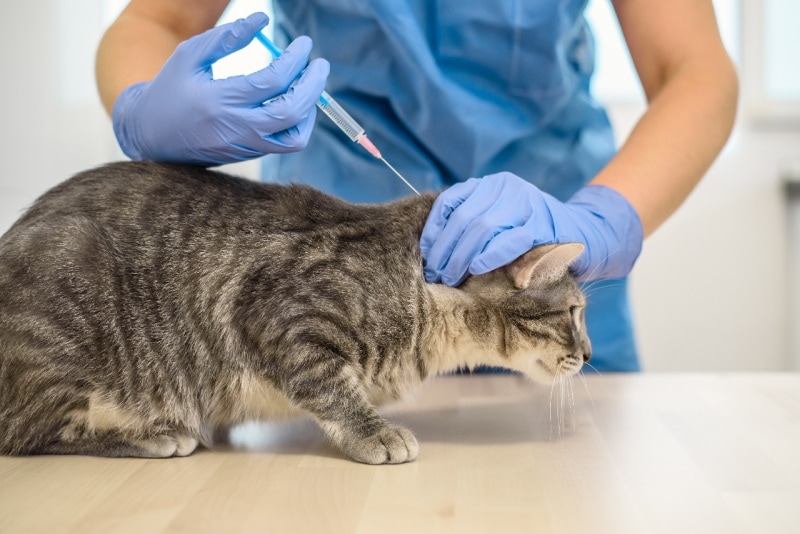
(711, 289)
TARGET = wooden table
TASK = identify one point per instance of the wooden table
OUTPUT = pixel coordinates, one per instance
(637, 453)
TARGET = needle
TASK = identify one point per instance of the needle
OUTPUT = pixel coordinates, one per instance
(399, 175)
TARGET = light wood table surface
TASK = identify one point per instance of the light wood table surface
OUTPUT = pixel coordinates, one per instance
(637, 453)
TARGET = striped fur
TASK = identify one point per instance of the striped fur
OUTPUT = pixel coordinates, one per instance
(146, 308)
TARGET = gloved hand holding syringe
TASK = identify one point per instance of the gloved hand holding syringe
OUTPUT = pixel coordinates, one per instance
(339, 116)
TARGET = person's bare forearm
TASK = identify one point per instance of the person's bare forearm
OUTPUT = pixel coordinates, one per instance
(145, 34)
(675, 142)
(692, 91)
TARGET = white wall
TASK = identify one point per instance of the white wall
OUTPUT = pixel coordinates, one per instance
(710, 290)
(51, 123)
(710, 287)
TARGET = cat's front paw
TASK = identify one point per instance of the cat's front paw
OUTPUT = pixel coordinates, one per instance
(391, 445)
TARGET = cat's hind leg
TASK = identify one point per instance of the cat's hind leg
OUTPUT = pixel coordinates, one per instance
(60, 421)
(112, 444)
(73, 436)
(102, 428)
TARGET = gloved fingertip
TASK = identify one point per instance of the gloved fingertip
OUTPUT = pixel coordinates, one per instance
(320, 66)
(317, 75)
(302, 45)
(452, 197)
(431, 276)
(303, 130)
(478, 267)
(225, 39)
(258, 20)
(453, 281)
(425, 243)
(123, 120)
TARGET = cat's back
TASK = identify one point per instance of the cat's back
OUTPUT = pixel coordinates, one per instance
(150, 197)
(145, 193)
(186, 220)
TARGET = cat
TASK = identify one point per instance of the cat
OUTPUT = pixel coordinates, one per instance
(146, 308)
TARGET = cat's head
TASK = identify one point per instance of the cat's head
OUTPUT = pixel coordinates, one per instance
(542, 312)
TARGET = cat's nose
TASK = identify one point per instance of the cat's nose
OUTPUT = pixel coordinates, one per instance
(586, 350)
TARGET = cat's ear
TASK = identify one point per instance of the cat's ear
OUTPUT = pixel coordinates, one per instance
(543, 265)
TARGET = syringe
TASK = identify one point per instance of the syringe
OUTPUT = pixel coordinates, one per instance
(339, 116)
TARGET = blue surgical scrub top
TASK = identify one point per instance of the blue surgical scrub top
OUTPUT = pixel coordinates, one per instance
(451, 89)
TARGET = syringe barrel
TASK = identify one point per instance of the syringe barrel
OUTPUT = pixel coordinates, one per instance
(339, 116)
(326, 103)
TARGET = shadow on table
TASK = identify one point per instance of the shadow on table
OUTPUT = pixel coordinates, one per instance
(509, 421)
(486, 423)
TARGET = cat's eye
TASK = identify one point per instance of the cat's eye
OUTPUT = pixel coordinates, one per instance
(576, 314)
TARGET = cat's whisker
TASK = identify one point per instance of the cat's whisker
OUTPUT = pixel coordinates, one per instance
(586, 387)
(593, 271)
(560, 410)
(594, 288)
(566, 402)
(592, 367)
(572, 403)
(586, 384)
(552, 390)
(558, 404)
(591, 287)
(563, 420)
(587, 287)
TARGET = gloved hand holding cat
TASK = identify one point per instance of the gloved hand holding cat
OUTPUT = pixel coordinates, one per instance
(484, 223)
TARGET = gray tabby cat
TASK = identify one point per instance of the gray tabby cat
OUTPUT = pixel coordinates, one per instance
(146, 308)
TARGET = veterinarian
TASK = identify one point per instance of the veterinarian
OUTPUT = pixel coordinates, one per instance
(497, 90)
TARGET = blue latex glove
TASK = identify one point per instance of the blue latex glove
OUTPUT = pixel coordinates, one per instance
(184, 115)
(484, 223)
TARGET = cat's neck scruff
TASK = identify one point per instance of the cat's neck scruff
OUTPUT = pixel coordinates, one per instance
(146, 308)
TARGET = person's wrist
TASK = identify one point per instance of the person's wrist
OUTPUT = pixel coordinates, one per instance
(616, 242)
(123, 121)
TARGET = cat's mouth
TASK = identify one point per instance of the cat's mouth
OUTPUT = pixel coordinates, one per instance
(544, 366)
(562, 369)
